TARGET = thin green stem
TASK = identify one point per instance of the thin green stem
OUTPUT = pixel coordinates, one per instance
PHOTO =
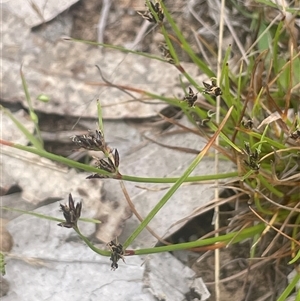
(129, 178)
(36, 214)
(270, 187)
(33, 116)
(260, 208)
(269, 141)
(57, 158)
(232, 237)
(120, 48)
(35, 142)
(238, 105)
(173, 180)
(185, 45)
(100, 119)
(177, 184)
(90, 245)
(227, 140)
(51, 218)
(164, 200)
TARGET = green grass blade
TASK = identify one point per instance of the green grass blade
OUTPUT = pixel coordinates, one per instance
(289, 288)
(2, 264)
(51, 218)
(227, 140)
(232, 237)
(120, 48)
(177, 184)
(33, 140)
(100, 120)
(32, 114)
(90, 245)
(88, 168)
(38, 215)
(173, 180)
(185, 45)
(274, 5)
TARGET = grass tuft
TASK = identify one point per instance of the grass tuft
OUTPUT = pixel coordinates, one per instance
(259, 132)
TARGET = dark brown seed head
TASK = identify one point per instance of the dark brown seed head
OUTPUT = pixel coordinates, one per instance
(92, 141)
(253, 157)
(148, 14)
(295, 135)
(247, 123)
(166, 53)
(116, 158)
(117, 253)
(212, 89)
(71, 213)
(191, 98)
(97, 176)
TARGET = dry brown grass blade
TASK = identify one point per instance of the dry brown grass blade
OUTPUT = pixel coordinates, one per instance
(271, 102)
(200, 133)
(138, 216)
(110, 84)
(211, 205)
(284, 224)
(177, 148)
(245, 225)
(276, 19)
(255, 86)
(256, 83)
(274, 228)
(200, 40)
(241, 273)
(212, 140)
(282, 69)
(120, 87)
(277, 204)
(267, 229)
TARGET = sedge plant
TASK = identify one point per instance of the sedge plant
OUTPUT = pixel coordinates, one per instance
(258, 131)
